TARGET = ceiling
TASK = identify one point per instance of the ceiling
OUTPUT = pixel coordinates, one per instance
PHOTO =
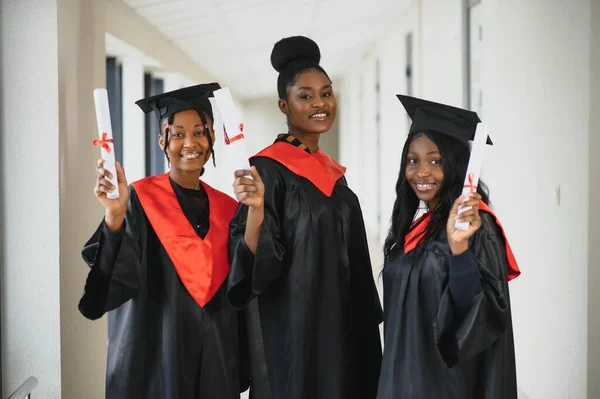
(232, 39)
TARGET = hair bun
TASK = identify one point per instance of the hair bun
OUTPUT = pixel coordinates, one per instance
(292, 49)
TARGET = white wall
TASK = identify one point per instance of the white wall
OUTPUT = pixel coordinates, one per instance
(29, 155)
(368, 193)
(264, 121)
(593, 373)
(81, 69)
(537, 104)
(441, 51)
(349, 103)
(537, 65)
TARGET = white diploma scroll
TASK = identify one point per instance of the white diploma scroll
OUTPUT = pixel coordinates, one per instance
(233, 128)
(105, 138)
(474, 168)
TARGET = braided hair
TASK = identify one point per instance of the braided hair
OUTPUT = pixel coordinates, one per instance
(169, 121)
(208, 135)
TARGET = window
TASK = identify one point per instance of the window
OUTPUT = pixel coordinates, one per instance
(155, 158)
(114, 84)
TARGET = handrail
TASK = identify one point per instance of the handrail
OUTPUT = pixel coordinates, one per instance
(24, 391)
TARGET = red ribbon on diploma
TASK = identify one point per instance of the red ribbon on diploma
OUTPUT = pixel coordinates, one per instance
(470, 186)
(236, 138)
(103, 142)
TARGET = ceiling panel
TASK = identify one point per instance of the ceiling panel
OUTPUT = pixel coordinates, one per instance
(233, 39)
(142, 3)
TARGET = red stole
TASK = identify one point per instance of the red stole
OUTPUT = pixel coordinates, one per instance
(318, 168)
(202, 264)
(420, 225)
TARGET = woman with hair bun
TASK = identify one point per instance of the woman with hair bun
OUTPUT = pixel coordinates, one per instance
(299, 255)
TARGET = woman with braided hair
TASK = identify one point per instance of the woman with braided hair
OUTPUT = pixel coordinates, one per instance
(158, 262)
(299, 255)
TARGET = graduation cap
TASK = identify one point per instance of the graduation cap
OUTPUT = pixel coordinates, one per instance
(429, 116)
(167, 104)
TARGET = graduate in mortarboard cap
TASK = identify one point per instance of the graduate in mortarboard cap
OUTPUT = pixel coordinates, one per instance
(448, 328)
(300, 259)
(158, 262)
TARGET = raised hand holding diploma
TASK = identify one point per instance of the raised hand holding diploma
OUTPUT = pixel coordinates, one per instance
(473, 172)
(105, 139)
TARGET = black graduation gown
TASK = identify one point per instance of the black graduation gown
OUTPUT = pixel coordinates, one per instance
(161, 343)
(313, 309)
(430, 352)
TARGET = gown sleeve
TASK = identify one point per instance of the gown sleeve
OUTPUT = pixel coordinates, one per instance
(115, 263)
(464, 282)
(251, 275)
(459, 339)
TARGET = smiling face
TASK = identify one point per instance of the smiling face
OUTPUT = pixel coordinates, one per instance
(188, 147)
(311, 106)
(424, 172)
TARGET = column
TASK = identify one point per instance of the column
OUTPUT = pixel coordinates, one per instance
(81, 69)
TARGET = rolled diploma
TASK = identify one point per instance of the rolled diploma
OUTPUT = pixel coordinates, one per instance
(105, 133)
(234, 138)
(474, 169)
